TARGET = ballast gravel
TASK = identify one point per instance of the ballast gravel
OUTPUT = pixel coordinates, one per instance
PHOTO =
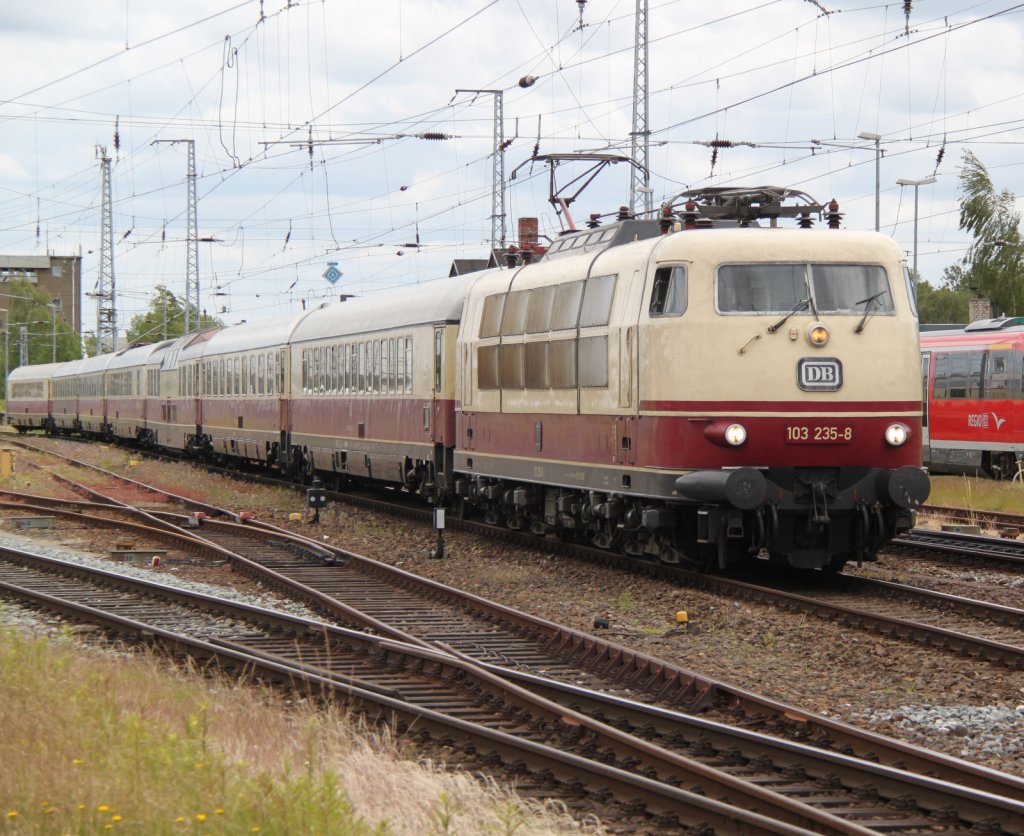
(927, 697)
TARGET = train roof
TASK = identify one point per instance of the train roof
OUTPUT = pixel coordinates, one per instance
(137, 355)
(981, 332)
(437, 301)
(253, 336)
(90, 365)
(41, 371)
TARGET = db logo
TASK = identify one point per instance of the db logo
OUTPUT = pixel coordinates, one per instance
(820, 374)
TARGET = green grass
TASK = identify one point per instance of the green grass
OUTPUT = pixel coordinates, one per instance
(92, 744)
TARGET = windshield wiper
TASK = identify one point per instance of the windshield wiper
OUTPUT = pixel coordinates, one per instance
(868, 303)
(799, 306)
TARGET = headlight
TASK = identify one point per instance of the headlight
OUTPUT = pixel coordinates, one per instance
(818, 335)
(735, 434)
(896, 435)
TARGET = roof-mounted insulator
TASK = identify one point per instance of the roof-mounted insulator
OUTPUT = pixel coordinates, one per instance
(666, 220)
(625, 214)
(527, 253)
(511, 256)
(805, 220)
(595, 220)
(690, 215)
(833, 215)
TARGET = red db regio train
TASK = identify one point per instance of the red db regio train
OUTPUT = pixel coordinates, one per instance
(707, 388)
(974, 385)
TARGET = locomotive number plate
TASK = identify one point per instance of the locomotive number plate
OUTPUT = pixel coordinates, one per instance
(819, 434)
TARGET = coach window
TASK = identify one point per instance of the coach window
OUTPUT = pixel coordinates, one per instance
(668, 296)
(261, 374)
(385, 368)
(408, 364)
(597, 301)
(393, 384)
(238, 375)
(280, 372)
(566, 313)
(270, 373)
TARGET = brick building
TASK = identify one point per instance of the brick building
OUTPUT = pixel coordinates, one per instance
(59, 276)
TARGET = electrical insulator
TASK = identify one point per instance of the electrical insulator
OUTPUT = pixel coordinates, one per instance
(832, 215)
(690, 215)
(714, 157)
(595, 220)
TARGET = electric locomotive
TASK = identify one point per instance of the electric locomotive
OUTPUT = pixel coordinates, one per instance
(698, 394)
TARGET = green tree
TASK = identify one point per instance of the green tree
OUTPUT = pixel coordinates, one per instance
(34, 328)
(948, 303)
(993, 264)
(165, 317)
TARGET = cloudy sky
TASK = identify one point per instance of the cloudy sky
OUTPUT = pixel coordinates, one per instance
(329, 131)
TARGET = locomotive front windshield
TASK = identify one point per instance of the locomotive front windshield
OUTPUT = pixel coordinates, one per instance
(781, 288)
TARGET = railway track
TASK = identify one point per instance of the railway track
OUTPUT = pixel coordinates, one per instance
(650, 760)
(495, 636)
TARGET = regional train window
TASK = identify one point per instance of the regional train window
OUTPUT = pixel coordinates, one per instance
(394, 385)
(538, 311)
(490, 322)
(566, 311)
(996, 385)
(261, 375)
(668, 296)
(941, 374)
(597, 301)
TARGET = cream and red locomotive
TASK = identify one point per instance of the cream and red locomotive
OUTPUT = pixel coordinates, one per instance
(697, 389)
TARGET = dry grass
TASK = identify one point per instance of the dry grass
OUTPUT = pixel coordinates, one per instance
(92, 743)
(977, 494)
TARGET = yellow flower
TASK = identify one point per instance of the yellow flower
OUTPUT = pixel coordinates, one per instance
(219, 811)
(103, 808)
(254, 829)
(200, 816)
(117, 818)
(12, 814)
(180, 818)
(78, 761)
